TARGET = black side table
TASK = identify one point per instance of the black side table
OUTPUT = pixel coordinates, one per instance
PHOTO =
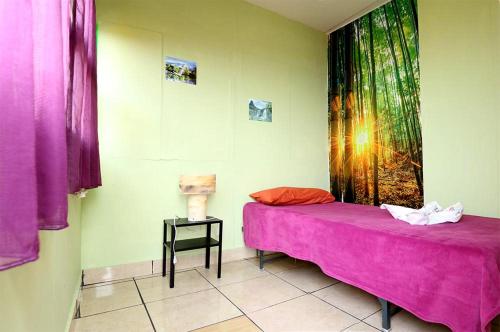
(189, 244)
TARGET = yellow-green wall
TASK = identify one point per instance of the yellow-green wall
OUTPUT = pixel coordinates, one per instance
(153, 130)
(40, 296)
(460, 95)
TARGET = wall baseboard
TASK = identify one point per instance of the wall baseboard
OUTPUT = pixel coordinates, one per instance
(153, 267)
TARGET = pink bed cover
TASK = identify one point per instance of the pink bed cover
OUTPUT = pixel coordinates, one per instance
(447, 273)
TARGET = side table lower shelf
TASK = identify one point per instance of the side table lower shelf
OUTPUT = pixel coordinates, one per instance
(191, 244)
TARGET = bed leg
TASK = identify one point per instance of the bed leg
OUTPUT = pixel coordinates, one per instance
(386, 314)
(261, 259)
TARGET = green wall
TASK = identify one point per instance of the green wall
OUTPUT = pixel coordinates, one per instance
(460, 83)
(40, 296)
(153, 130)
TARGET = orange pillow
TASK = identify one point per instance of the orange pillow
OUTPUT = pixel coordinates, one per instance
(293, 196)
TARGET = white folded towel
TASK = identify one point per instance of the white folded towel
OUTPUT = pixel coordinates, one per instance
(431, 214)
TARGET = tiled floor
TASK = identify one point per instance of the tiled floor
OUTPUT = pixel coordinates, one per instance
(289, 295)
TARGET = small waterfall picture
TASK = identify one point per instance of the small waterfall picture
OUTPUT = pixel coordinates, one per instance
(260, 110)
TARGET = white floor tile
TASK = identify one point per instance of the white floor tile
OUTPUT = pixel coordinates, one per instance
(259, 293)
(134, 319)
(306, 313)
(158, 288)
(109, 297)
(191, 311)
(232, 272)
(309, 278)
(350, 299)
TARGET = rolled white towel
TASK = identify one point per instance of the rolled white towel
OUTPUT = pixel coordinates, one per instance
(452, 213)
(431, 214)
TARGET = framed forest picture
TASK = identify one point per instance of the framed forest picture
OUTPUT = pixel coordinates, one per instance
(374, 108)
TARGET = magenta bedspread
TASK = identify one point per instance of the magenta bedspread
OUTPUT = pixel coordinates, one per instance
(447, 273)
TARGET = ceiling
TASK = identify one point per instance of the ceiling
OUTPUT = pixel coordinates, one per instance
(323, 15)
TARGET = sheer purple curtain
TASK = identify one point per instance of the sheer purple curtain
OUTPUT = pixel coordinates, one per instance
(83, 146)
(18, 180)
(48, 118)
(49, 111)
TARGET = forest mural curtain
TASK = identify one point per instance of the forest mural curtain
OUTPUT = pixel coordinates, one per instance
(374, 95)
(48, 118)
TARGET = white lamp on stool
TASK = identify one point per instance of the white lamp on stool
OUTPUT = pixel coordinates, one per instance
(197, 187)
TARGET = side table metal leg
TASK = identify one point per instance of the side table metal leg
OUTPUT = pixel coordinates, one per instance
(164, 256)
(219, 260)
(207, 250)
(172, 265)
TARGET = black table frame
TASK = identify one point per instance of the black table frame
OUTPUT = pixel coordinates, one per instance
(190, 244)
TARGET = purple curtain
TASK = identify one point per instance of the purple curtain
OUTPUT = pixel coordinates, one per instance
(48, 118)
(83, 146)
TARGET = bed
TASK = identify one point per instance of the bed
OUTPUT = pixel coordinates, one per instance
(447, 273)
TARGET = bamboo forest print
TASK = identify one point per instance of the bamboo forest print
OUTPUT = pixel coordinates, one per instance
(375, 130)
